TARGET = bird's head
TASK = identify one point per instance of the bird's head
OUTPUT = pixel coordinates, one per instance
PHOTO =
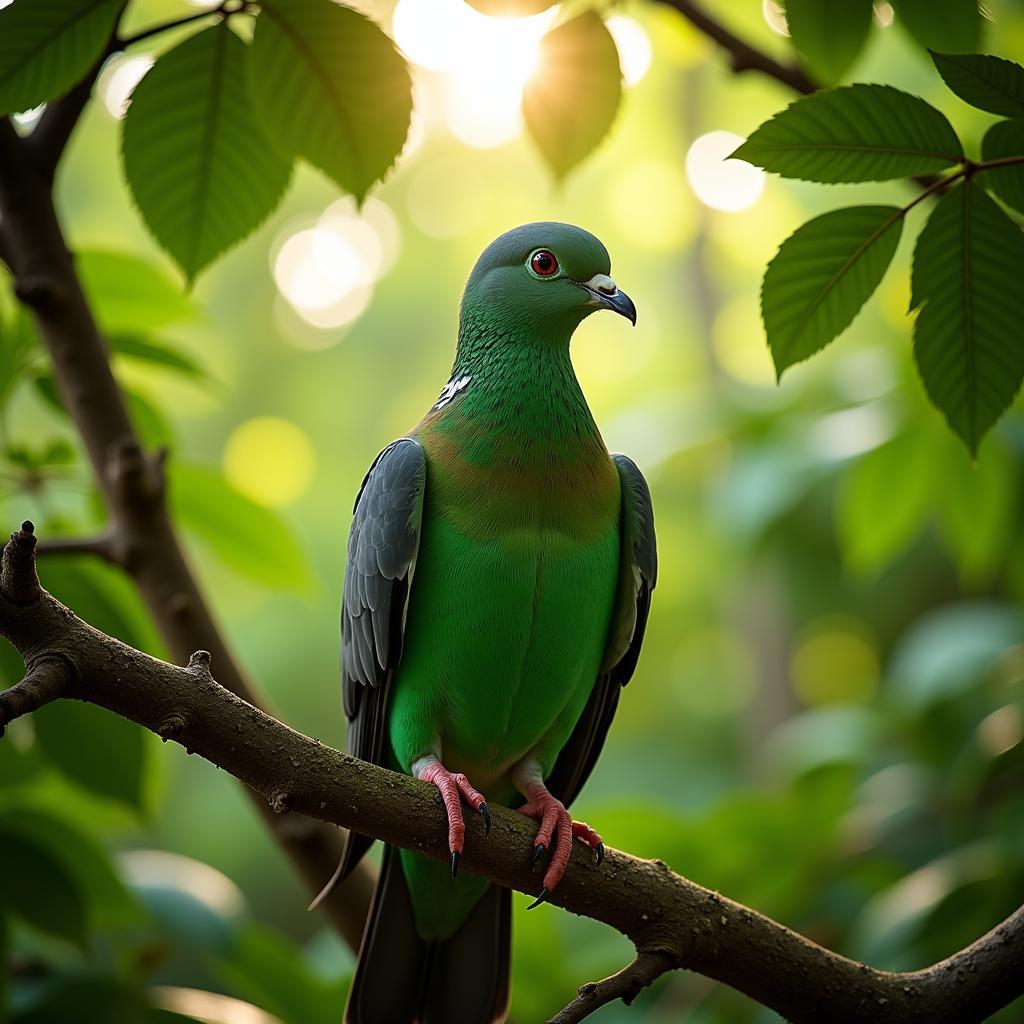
(546, 277)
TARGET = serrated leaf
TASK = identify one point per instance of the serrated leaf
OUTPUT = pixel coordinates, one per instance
(1005, 138)
(45, 893)
(943, 25)
(884, 500)
(128, 292)
(822, 275)
(572, 99)
(199, 165)
(102, 752)
(45, 48)
(986, 82)
(330, 87)
(828, 36)
(135, 346)
(854, 133)
(248, 538)
(968, 338)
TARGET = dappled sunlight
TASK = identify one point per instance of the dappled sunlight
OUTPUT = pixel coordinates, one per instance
(718, 182)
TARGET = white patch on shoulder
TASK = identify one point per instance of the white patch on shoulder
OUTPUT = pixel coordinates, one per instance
(454, 387)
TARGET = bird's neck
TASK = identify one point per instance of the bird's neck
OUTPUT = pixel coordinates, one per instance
(517, 393)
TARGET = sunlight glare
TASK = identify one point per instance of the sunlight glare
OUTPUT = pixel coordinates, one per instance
(634, 46)
(118, 80)
(774, 15)
(722, 184)
(486, 61)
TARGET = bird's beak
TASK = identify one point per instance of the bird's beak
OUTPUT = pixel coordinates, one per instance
(606, 294)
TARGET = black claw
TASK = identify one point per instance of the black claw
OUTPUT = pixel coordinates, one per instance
(538, 852)
(486, 812)
(541, 896)
(600, 853)
(455, 865)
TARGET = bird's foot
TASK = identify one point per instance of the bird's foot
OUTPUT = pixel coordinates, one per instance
(453, 787)
(556, 824)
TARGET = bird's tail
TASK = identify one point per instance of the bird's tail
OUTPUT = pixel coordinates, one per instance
(403, 979)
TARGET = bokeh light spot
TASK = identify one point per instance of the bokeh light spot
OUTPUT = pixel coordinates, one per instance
(634, 46)
(835, 661)
(1001, 730)
(718, 182)
(118, 79)
(270, 460)
(774, 15)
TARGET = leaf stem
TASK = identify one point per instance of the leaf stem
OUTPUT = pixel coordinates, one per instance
(223, 10)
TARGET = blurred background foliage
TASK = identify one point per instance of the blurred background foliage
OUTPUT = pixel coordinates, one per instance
(826, 723)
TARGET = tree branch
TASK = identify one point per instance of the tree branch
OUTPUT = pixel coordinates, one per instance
(132, 481)
(103, 545)
(673, 923)
(743, 56)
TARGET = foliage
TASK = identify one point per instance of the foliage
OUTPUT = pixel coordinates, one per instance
(967, 342)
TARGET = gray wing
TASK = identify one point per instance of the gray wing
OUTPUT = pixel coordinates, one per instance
(382, 547)
(638, 575)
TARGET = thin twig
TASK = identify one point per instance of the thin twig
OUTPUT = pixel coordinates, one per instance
(103, 545)
(226, 8)
(626, 985)
(743, 56)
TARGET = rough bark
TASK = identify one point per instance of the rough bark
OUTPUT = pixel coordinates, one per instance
(673, 923)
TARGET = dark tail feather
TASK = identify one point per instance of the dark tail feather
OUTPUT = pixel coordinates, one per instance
(403, 979)
(356, 846)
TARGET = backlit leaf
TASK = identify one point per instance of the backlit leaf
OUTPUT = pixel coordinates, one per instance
(248, 538)
(330, 87)
(1005, 138)
(571, 101)
(822, 275)
(511, 8)
(828, 36)
(201, 170)
(884, 500)
(944, 25)
(145, 350)
(46, 46)
(986, 82)
(854, 133)
(129, 292)
(968, 338)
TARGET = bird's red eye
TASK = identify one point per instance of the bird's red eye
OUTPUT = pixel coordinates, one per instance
(543, 263)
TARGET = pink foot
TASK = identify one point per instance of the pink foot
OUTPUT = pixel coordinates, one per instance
(453, 786)
(556, 823)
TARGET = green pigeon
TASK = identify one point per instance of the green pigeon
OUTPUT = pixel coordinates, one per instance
(499, 577)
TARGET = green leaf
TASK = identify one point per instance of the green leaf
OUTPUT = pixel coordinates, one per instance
(18, 348)
(1005, 138)
(945, 25)
(570, 103)
(101, 751)
(968, 340)
(152, 425)
(248, 538)
(135, 346)
(42, 891)
(108, 900)
(828, 36)
(822, 275)
(884, 500)
(986, 82)
(128, 292)
(267, 969)
(199, 166)
(977, 511)
(46, 47)
(330, 87)
(855, 133)
(103, 596)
